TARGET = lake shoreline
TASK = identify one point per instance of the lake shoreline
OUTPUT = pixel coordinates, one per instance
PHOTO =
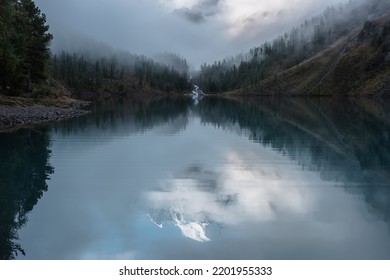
(15, 117)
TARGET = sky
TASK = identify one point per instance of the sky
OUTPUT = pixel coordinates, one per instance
(199, 30)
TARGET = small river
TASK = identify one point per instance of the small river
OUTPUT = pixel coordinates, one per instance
(254, 178)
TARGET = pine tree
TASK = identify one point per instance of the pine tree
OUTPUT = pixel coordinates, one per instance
(24, 45)
(33, 42)
(8, 58)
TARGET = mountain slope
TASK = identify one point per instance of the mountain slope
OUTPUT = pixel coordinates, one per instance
(357, 64)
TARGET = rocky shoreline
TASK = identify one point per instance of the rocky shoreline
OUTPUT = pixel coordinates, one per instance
(14, 117)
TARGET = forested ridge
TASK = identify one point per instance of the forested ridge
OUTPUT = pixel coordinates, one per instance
(248, 71)
(120, 72)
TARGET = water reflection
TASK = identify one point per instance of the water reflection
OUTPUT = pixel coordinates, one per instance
(313, 134)
(121, 117)
(344, 140)
(234, 195)
(24, 169)
(142, 178)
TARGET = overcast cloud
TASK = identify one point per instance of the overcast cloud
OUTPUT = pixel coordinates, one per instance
(200, 30)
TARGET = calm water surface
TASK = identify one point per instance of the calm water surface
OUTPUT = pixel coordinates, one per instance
(224, 179)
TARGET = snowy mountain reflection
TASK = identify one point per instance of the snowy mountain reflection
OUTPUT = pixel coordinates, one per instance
(237, 193)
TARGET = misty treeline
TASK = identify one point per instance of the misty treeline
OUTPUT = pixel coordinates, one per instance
(27, 65)
(289, 49)
(24, 45)
(120, 72)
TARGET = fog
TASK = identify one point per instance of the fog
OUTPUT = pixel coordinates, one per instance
(199, 30)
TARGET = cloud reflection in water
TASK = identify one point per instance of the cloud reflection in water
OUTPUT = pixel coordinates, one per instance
(237, 193)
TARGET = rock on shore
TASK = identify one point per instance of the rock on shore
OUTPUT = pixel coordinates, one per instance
(12, 117)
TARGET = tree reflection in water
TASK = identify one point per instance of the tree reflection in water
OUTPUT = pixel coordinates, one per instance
(24, 169)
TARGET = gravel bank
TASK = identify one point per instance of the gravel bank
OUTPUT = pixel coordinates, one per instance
(12, 117)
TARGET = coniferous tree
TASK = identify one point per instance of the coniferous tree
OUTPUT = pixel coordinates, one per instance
(24, 45)
(8, 58)
(34, 42)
